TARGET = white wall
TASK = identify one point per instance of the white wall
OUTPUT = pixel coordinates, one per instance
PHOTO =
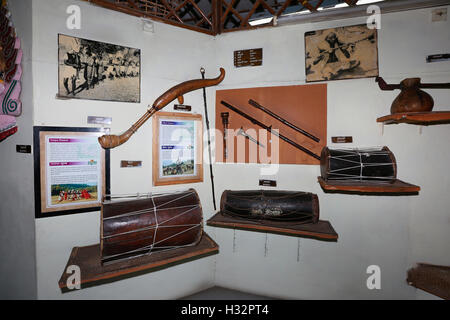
(170, 55)
(17, 237)
(391, 232)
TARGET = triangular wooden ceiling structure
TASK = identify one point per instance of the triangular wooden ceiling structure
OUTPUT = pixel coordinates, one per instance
(216, 16)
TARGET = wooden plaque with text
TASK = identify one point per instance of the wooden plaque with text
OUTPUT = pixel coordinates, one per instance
(245, 58)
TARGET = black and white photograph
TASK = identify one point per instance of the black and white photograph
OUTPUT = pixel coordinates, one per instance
(98, 71)
(341, 53)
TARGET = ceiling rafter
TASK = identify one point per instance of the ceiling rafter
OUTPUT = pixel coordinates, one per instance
(215, 16)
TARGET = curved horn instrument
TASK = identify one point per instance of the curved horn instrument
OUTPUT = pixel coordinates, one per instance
(111, 141)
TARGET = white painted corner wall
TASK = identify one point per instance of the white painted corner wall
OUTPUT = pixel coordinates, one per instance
(17, 232)
(169, 56)
(391, 232)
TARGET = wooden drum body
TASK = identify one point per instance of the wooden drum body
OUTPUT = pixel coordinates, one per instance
(131, 228)
(302, 207)
(358, 164)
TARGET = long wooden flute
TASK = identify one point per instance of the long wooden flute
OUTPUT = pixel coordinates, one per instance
(283, 121)
(111, 141)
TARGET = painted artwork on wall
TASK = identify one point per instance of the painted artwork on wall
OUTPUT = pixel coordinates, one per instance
(10, 74)
(98, 71)
(341, 53)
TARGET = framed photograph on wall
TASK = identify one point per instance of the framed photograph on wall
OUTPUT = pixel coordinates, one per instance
(96, 70)
(341, 53)
(71, 170)
(177, 148)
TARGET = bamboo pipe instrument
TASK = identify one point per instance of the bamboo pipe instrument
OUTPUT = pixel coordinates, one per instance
(283, 121)
(176, 92)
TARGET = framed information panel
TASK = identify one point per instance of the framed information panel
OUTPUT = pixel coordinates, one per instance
(71, 170)
(177, 148)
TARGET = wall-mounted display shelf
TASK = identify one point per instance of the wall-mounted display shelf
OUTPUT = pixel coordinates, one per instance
(368, 187)
(419, 118)
(321, 230)
(94, 273)
(431, 278)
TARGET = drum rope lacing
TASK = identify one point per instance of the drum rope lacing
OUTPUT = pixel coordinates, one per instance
(155, 227)
(359, 165)
(156, 221)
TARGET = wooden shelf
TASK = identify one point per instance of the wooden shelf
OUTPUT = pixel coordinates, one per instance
(420, 118)
(431, 278)
(93, 273)
(397, 187)
(319, 231)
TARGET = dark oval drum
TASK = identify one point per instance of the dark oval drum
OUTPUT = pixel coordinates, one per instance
(132, 228)
(358, 164)
(278, 205)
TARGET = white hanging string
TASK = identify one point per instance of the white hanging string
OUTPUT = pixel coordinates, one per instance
(156, 221)
(152, 246)
(143, 211)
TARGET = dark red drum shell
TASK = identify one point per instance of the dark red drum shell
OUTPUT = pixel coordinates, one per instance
(130, 226)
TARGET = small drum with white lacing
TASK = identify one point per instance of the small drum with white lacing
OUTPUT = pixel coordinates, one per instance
(135, 227)
(369, 164)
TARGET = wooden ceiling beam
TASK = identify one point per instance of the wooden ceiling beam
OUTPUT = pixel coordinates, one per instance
(189, 15)
(269, 8)
(216, 14)
(109, 5)
(252, 11)
(308, 6)
(234, 11)
(201, 12)
(170, 8)
(229, 6)
(181, 5)
(133, 4)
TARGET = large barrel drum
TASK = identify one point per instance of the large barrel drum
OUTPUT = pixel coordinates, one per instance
(301, 207)
(358, 164)
(131, 228)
